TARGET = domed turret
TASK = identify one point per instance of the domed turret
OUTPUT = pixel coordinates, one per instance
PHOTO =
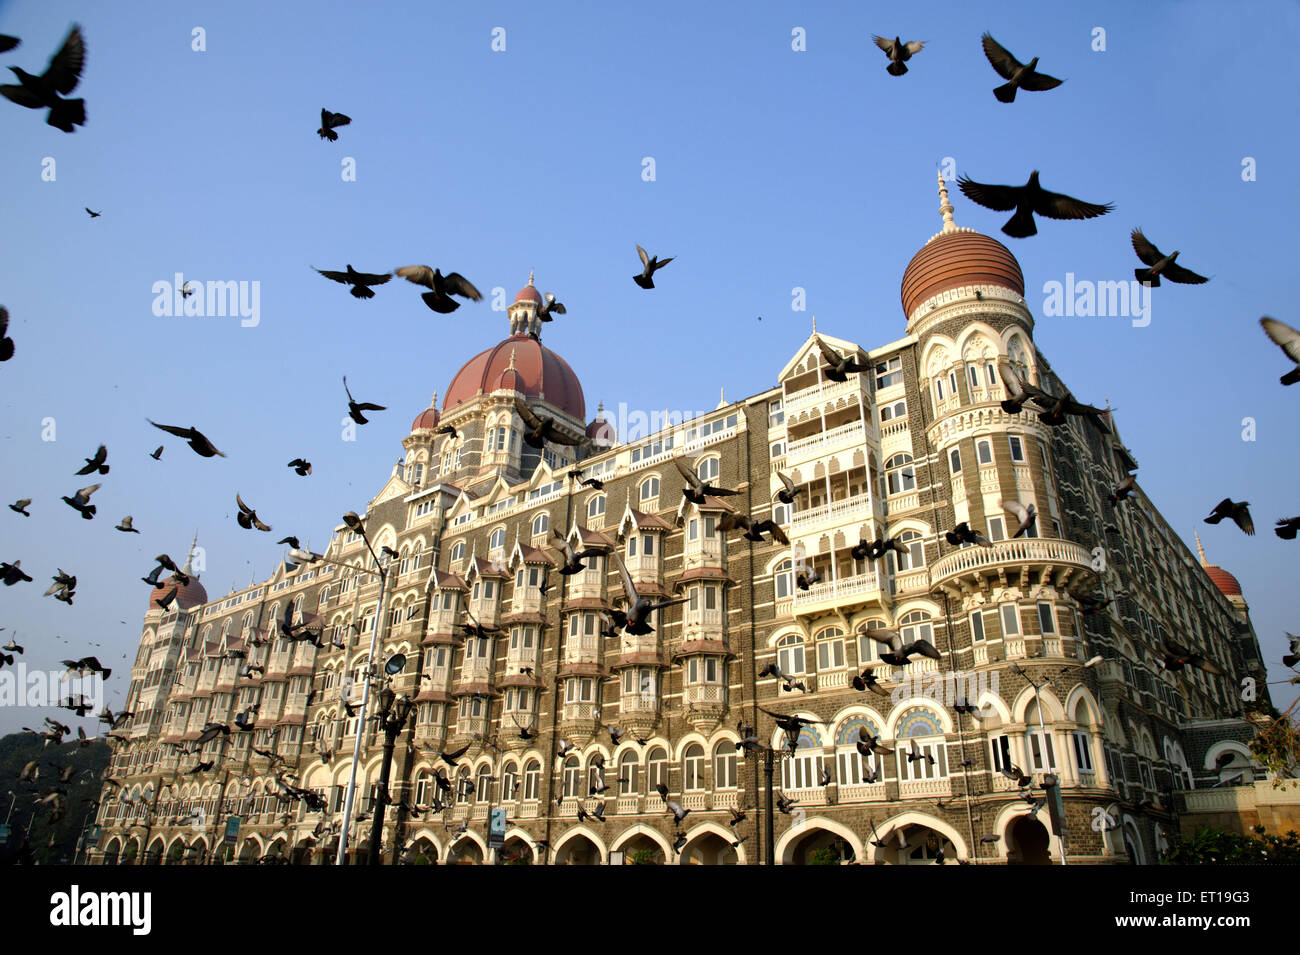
(956, 258)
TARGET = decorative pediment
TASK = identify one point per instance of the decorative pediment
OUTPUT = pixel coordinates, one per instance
(395, 487)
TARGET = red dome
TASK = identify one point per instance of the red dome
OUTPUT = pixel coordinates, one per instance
(956, 259)
(1226, 583)
(191, 595)
(538, 373)
(529, 293)
(426, 420)
(601, 430)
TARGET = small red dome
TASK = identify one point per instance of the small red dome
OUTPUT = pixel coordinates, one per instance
(426, 420)
(538, 373)
(529, 293)
(601, 430)
(1226, 583)
(191, 595)
(956, 259)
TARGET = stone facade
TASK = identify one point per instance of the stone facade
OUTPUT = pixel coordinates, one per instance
(907, 450)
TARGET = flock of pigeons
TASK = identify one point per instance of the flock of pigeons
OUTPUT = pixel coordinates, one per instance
(48, 91)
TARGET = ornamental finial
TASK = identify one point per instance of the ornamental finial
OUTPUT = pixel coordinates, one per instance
(945, 207)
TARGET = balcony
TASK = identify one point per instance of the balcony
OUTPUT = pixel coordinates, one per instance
(584, 648)
(704, 694)
(863, 588)
(926, 787)
(590, 584)
(577, 712)
(639, 703)
(825, 391)
(526, 599)
(701, 622)
(703, 551)
(851, 510)
(1048, 556)
(828, 441)
(643, 567)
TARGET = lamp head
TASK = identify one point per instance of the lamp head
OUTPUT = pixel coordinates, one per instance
(395, 664)
(354, 523)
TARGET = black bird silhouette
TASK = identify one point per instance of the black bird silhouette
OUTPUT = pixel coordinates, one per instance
(839, 367)
(448, 429)
(97, 462)
(156, 454)
(1028, 200)
(441, 287)
(356, 407)
(81, 501)
(302, 466)
(60, 77)
(6, 343)
(291, 541)
(197, 439)
(549, 307)
(543, 428)
(898, 52)
(573, 559)
(1123, 489)
(20, 506)
(899, 652)
(96, 215)
(360, 281)
(696, 488)
(963, 533)
(1178, 656)
(635, 618)
(1019, 75)
(1287, 528)
(1237, 510)
(126, 526)
(12, 573)
(788, 491)
(1282, 335)
(8, 43)
(650, 265)
(329, 122)
(1160, 264)
(247, 517)
(754, 530)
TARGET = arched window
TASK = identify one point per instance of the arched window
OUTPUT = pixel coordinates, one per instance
(464, 788)
(498, 539)
(572, 779)
(708, 468)
(900, 475)
(541, 524)
(830, 650)
(650, 488)
(656, 768)
(596, 507)
(532, 780)
(510, 781)
(854, 769)
(484, 783)
(693, 768)
(783, 580)
(803, 769)
(724, 765)
(628, 771)
(921, 750)
(915, 557)
(897, 409)
(458, 551)
(869, 650)
(790, 655)
(916, 626)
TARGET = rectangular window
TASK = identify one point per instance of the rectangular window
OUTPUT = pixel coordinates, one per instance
(1017, 448)
(984, 451)
(1001, 752)
(996, 531)
(1045, 620)
(954, 461)
(889, 372)
(1040, 746)
(977, 627)
(775, 414)
(1010, 620)
(1082, 751)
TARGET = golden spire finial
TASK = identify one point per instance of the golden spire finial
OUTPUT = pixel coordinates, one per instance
(433, 402)
(530, 276)
(511, 366)
(945, 207)
(1200, 549)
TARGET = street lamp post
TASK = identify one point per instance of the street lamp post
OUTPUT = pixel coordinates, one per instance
(393, 719)
(354, 523)
(769, 825)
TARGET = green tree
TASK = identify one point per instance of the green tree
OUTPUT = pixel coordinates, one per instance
(1220, 847)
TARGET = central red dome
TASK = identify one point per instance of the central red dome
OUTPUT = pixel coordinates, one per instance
(956, 259)
(538, 373)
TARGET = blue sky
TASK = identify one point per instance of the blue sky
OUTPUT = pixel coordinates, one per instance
(774, 169)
